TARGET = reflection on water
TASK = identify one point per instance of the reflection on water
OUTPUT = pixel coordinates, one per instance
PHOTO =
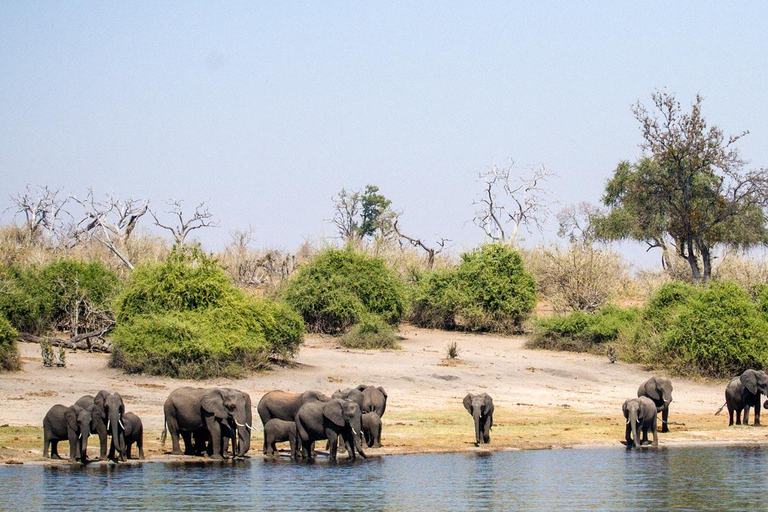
(604, 479)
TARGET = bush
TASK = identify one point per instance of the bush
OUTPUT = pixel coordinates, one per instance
(371, 332)
(338, 287)
(9, 352)
(185, 319)
(489, 291)
(584, 332)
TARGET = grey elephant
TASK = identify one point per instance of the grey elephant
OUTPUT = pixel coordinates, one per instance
(73, 424)
(640, 414)
(480, 406)
(372, 429)
(353, 394)
(284, 406)
(279, 431)
(743, 392)
(330, 420)
(108, 410)
(219, 412)
(659, 390)
(374, 399)
(134, 434)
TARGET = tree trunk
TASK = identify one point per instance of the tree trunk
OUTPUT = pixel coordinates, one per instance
(90, 341)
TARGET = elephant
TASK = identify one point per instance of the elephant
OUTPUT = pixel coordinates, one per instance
(743, 392)
(372, 429)
(374, 399)
(134, 433)
(72, 424)
(329, 420)
(108, 409)
(659, 390)
(352, 394)
(278, 431)
(219, 413)
(284, 406)
(640, 414)
(480, 406)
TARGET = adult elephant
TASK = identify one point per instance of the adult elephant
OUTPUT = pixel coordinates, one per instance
(108, 410)
(374, 399)
(72, 424)
(281, 405)
(329, 420)
(480, 406)
(219, 412)
(640, 414)
(659, 390)
(352, 394)
(743, 392)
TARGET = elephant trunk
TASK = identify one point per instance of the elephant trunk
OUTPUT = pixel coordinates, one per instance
(118, 439)
(357, 437)
(84, 433)
(478, 435)
(633, 427)
(241, 441)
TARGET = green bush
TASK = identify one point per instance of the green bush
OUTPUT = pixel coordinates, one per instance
(489, 291)
(720, 332)
(9, 352)
(339, 286)
(371, 332)
(584, 332)
(666, 302)
(185, 319)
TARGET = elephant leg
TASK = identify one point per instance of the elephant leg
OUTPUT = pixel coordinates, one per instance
(214, 428)
(664, 418)
(55, 449)
(745, 421)
(757, 411)
(730, 417)
(628, 436)
(72, 447)
(738, 416)
(140, 446)
(101, 430)
(487, 430)
(46, 445)
(189, 447)
(333, 439)
(655, 434)
(173, 430)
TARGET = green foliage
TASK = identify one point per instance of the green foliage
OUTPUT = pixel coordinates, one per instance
(584, 332)
(489, 291)
(363, 214)
(371, 332)
(185, 319)
(339, 286)
(9, 352)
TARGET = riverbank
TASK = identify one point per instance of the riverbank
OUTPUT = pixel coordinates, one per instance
(543, 399)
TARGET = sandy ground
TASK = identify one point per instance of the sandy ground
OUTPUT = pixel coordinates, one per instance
(543, 399)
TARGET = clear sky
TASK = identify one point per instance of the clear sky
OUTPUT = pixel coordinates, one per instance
(267, 109)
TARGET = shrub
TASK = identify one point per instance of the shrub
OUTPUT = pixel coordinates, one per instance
(371, 332)
(489, 291)
(9, 352)
(583, 332)
(339, 286)
(185, 319)
(666, 302)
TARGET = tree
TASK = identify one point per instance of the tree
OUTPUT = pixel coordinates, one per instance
(182, 227)
(42, 210)
(363, 213)
(577, 223)
(507, 202)
(418, 242)
(689, 191)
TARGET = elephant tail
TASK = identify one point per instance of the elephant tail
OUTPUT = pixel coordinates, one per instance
(165, 432)
(720, 409)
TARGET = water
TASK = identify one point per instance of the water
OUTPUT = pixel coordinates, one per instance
(600, 479)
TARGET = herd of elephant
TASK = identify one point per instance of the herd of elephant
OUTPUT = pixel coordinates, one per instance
(208, 420)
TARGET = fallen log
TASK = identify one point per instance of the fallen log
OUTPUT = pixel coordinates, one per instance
(91, 341)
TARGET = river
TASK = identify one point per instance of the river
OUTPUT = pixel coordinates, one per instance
(700, 478)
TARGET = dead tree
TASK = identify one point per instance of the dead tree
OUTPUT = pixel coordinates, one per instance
(507, 202)
(108, 220)
(418, 242)
(42, 210)
(182, 227)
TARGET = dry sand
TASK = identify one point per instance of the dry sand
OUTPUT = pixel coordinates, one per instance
(543, 399)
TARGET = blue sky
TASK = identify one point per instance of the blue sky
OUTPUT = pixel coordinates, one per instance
(266, 110)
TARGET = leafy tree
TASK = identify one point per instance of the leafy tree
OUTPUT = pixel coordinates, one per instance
(689, 192)
(363, 213)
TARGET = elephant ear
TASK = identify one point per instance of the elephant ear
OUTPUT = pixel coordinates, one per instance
(127, 427)
(749, 379)
(99, 403)
(652, 390)
(624, 409)
(333, 411)
(488, 405)
(382, 391)
(248, 408)
(213, 403)
(361, 387)
(71, 417)
(468, 403)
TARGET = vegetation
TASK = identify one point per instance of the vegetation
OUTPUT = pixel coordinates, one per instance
(184, 318)
(690, 193)
(371, 332)
(9, 353)
(584, 332)
(489, 291)
(339, 286)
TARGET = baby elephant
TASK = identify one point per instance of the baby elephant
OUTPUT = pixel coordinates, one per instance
(134, 433)
(481, 408)
(72, 424)
(640, 414)
(278, 431)
(372, 429)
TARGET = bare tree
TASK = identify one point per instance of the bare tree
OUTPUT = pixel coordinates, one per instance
(508, 201)
(182, 227)
(109, 220)
(347, 208)
(577, 223)
(42, 209)
(418, 242)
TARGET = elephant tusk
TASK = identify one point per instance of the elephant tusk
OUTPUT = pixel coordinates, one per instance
(80, 436)
(241, 425)
(354, 431)
(627, 422)
(121, 424)
(108, 424)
